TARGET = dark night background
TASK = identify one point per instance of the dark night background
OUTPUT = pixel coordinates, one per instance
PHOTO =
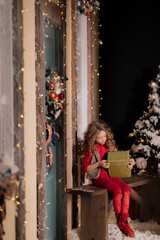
(130, 56)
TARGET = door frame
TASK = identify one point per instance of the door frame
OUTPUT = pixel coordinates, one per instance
(51, 10)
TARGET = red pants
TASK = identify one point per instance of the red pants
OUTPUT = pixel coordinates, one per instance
(119, 189)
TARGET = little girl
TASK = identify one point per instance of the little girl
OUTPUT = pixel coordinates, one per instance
(98, 140)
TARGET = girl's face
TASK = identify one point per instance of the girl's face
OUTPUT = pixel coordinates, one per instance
(101, 137)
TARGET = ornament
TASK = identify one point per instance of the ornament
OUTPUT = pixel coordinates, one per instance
(58, 90)
(88, 7)
(56, 106)
(52, 95)
(47, 79)
(58, 78)
(56, 98)
(61, 96)
(52, 85)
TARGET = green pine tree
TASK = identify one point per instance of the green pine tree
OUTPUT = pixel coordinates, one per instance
(147, 129)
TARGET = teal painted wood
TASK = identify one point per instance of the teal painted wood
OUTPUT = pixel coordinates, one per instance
(59, 180)
(51, 230)
(52, 179)
(50, 43)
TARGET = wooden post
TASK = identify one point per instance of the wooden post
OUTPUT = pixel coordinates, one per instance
(30, 119)
(40, 112)
(18, 64)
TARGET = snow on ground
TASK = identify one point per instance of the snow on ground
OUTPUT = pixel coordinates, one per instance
(144, 231)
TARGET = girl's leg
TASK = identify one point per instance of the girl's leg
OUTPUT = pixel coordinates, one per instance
(124, 221)
(125, 203)
(117, 204)
(125, 195)
(106, 182)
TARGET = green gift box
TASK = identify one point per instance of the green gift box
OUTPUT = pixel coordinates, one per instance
(118, 164)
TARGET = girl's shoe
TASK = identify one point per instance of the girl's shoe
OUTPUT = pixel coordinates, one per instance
(125, 226)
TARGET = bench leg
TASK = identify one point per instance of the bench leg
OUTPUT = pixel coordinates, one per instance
(94, 217)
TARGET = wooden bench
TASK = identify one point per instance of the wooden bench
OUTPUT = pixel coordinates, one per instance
(136, 181)
(96, 206)
(94, 212)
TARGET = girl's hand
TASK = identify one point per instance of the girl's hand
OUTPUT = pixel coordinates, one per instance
(131, 163)
(104, 164)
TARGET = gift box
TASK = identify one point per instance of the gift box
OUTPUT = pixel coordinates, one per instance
(119, 161)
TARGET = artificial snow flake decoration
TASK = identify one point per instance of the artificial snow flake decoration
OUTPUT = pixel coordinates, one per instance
(154, 119)
(147, 129)
(139, 124)
(88, 7)
(141, 163)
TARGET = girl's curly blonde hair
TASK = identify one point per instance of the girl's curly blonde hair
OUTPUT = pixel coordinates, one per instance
(91, 133)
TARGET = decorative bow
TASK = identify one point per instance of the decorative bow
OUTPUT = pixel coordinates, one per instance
(51, 139)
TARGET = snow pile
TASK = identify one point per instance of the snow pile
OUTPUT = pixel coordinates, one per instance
(74, 234)
(144, 231)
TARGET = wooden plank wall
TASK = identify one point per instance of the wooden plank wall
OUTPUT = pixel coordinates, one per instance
(63, 171)
(40, 112)
(93, 92)
(54, 13)
(18, 113)
(74, 116)
(90, 70)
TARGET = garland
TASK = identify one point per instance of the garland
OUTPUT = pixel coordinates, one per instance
(88, 7)
(54, 94)
(54, 106)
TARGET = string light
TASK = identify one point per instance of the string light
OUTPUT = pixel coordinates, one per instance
(19, 124)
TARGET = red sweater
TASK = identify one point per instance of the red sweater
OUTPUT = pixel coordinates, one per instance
(102, 149)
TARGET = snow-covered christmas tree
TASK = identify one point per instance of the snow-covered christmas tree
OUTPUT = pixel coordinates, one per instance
(147, 129)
